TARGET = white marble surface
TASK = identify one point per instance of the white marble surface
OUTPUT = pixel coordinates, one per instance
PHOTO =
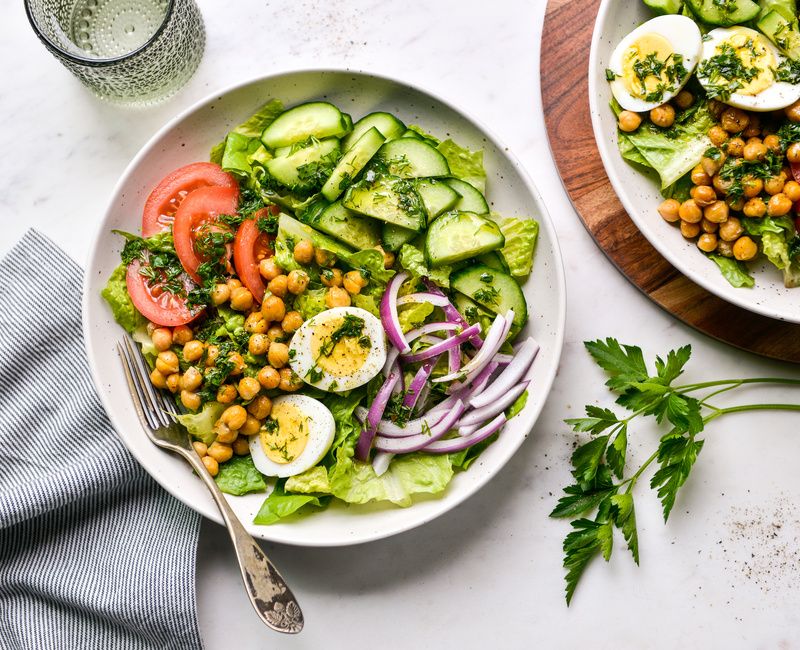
(723, 573)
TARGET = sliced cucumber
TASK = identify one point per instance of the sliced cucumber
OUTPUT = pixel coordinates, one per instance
(664, 6)
(781, 32)
(410, 158)
(471, 310)
(352, 163)
(457, 236)
(314, 119)
(345, 225)
(411, 133)
(495, 260)
(304, 170)
(388, 198)
(493, 290)
(291, 231)
(437, 196)
(386, 123)
(394, 236)
(726, 14)
(471, 199)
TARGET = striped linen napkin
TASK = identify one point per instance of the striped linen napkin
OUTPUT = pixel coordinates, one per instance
(93, 553)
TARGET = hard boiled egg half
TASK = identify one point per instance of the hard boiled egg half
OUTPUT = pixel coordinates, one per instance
(652, 63)
(338, 349)
(295, 437)
(739, 67)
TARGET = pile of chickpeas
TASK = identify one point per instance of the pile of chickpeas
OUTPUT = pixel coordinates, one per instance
(707, 216)
(270, 325)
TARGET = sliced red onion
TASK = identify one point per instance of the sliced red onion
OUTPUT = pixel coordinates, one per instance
(374, 415)
(381, 462)
(503, 359)
(452, 313)
(414, 443)
(429, 328)
(494, 339)
(487, 412)
(417, 384)
(465, 431)
(513, 372)
(437, 300)
(391, 359)
(482, 379)
(439, 348)
(452, 445)
(391, 323)
(454, 359)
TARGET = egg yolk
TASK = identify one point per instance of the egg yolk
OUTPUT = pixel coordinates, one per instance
(285, 434)
(346, 356)
(754, 56)
(646, 55)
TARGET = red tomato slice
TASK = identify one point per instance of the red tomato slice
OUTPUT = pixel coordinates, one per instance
(249, 248)
(155, 304)
(164, 200)
(199, 209)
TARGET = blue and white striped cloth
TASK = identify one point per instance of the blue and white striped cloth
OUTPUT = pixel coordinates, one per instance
(93, 553)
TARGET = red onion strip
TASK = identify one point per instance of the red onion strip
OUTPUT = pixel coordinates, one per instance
(490, 410)
(374, 415)
(381, 462)
(452, 445)
(513, 372)
(494, 339)
(429, 328)
(391, 323)
(437, 300)
(417, 384)
(439, 348)
(414, 443)
(452, 313)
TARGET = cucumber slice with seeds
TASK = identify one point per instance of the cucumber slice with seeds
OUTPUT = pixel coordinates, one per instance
(394, 237)
(314, 119)
(305, 169)
(493, 290)
(346, 226)
(387, 198)
(437, 197)
(457, 236)
(471, 199)
(410, 158)
(352, 163)
(386, 123)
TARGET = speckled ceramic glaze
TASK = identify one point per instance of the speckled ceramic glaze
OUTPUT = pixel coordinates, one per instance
(640, 195)
(188, 138)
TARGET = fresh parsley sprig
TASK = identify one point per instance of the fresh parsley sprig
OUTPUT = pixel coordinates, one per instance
(600, 484)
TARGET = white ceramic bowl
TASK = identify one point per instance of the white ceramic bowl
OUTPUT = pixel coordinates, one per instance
(188, 138)
(640, 195)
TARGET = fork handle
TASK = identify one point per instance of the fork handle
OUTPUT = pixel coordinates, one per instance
(269, 594)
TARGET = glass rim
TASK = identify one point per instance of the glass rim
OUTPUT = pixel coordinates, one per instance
(93, 62)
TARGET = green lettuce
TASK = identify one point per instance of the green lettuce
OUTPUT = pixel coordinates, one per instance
(432, 139)
(777, 237)
(680, 189)
(412, 259)
(250, 128)
(342, 406)
(367, 302)
(116, 295)
(237, 152)
(145, 341)
(521, 236)
(777, 225)
(465, 164)
(310, 303)
(239, 476)
(313, 480)
(371, 261)
(630, 152)
(414, 315)
(280, 504)
(733, 271)
(201, 424)
(463, 459)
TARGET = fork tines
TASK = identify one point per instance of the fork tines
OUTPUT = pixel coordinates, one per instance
(151, 404)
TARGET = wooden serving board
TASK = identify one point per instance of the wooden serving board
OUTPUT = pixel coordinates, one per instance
(566, 40)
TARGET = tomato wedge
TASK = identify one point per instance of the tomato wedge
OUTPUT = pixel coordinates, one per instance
(249, 248)
(156, 304)
(165, 199)
(197, 211)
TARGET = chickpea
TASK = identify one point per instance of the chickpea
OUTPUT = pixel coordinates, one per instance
(735, 204)
(731, 229)
(735, 148)
(717, 135)
(191, 379)
(699, 176)
(275, 334)
(773, 143)
(793, 112)
(220, 452)
(721, 185)
(793, 152)
(173, 382)
(249, 388)
(268, 377)
(725, 248)
(683, 100)
(200, 448)
(182, 334)
(690, 230)
(212, 352)
(712, 165)
(241, 446)
(162, 338)
(269, 269)
(226, 394)
(734, 120)
(255, 323)
(190, 400)
(278, 286)
(158, 379)
(774, 185)
(717, 212)
(220, 294)
(707, 242)
(291, 322)
(251, 427)
(225, 434)
(690, 212)
(324, 258)
(193, 350)
(238, 363)
(273, 309)
(234, 283)
(755, 207)
(151, 327)
(751, 186)
(167, 362)
(241, 299)
(754, 127)
(354, 282)
(331, 277)
(792, 190)
(708, 226)
(212, 466)
(388, 257)
(779, 205)
(304, 251)
(278, 355)
(715, 107)
(628, 121)
(703, 195)
(297, 282)
(337, 297)
(754, 151)
(261, 406)
(744, 249)
(663, 116)
(234, 416)
(258, 344)
(669, 210)
(290, 382)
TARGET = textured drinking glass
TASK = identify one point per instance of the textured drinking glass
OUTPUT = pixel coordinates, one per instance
(125, 51)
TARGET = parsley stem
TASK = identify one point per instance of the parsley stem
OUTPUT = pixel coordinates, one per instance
(738, 382)
(633, 479)
(750, 407)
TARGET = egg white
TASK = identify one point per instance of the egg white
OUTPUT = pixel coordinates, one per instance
(686, 40)
(778, 95)
(302, 359)
(321, 431)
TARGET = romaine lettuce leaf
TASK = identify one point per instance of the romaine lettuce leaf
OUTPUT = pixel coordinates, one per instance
(239, 476)
(201, 424)
(521, 236)
(145, 341)
(465, 164)
(414, 315)
(237, 152)
(758, 227)
(371, 261)
(313, 480)
(368, 302)
(412, 259)
(680, 189)
(425, 135)
(629, 151)
(463, 459)
(310, 303)
(733, 271)
(777, 235)
(116, 295)
(250, 128)
(279, 505)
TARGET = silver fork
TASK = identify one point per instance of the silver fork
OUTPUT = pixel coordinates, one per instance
(270, 596)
